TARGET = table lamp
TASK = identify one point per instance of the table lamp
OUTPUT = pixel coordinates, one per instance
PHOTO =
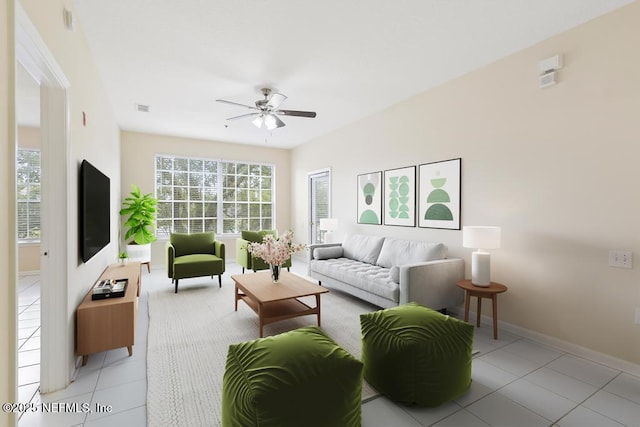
(481, 238)
(329, 225)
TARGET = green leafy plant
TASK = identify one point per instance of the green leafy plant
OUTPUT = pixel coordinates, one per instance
(141, 211)
(123, 255)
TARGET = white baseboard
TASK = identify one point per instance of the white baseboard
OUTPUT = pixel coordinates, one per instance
(29, 273)
(576, 350)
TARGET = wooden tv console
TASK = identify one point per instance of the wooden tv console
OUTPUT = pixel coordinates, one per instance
(110, 323)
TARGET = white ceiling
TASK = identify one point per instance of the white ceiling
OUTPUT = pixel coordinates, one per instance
(344, 59)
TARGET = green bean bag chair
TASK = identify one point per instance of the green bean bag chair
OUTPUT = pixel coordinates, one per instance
(415, 355)
(298, 378)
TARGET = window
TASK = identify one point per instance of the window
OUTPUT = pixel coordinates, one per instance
(209, 195)
(28, 191)
(246, 197)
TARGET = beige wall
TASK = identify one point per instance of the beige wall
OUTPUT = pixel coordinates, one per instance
(8, 301)
(556, 168)
(138, 167)
(97, 142)
(28, 253)
(29, 137)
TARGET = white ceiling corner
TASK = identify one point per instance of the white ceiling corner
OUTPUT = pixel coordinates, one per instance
(343, 59)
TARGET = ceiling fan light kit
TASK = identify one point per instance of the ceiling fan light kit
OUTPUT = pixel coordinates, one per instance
(268, 121)
(266, 111)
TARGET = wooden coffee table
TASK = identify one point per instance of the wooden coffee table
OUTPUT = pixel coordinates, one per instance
(273, 302)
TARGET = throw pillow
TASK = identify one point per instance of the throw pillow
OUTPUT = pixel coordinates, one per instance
(398, 251)
(257, 236)
(327, 253)
(362, 248)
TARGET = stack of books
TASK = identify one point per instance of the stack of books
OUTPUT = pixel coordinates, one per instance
(109, 288)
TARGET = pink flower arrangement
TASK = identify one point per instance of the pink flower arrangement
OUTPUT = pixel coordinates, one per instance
(276, 251)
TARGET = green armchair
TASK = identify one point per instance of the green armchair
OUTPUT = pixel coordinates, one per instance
(245, 259)
(194, 255)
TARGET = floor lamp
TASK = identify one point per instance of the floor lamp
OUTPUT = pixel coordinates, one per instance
(481, 238)
(329, 225)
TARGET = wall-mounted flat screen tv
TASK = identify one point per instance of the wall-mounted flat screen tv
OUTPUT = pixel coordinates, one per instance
(95, 210)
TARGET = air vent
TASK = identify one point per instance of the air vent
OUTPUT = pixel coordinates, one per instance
(142, 108)
(547, 69)
(547, 79)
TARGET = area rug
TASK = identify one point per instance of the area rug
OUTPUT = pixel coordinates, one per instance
(190, 332)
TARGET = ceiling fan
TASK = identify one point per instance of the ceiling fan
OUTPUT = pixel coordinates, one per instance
(267, 111)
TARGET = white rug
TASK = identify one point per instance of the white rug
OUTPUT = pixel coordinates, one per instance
(190, 332)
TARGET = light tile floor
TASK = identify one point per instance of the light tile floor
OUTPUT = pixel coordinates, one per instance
(516, 382)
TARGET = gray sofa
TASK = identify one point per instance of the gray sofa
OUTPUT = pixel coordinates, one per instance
(388, 272)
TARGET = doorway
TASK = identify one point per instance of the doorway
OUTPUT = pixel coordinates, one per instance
(319, 202)
(34, 56)
(28, 184)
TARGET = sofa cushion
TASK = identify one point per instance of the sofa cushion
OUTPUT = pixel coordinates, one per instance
(398, 252)
(394, 274)
(362, 248)
(197, 265)
(326, 253)
(257, 236)
(194, 243)
(371, 278)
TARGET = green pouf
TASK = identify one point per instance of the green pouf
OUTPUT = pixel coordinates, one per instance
(299, 378)
(416, 355)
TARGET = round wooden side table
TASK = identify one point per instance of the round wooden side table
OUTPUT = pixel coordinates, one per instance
(480, 292)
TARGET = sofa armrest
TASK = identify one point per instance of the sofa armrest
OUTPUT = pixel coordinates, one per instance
(171, 254)
(218, 249)
(433, 283)
(311, 249)
(242, 253)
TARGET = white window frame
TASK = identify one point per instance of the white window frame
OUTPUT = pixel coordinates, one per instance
(218, 189)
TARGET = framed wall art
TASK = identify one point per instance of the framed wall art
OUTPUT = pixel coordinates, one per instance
(400, 197)
(370, 198)
(439, 194)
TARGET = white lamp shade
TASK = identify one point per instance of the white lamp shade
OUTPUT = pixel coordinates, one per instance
(481, 237)
(258, 121)
(328, 224)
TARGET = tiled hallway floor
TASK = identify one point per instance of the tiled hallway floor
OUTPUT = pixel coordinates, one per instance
(28, 337)
(516, 382)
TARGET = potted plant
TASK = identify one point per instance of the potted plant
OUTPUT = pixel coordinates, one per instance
(122, 257)
(140, 210)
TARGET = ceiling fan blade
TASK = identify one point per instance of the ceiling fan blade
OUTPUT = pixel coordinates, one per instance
(236, 103)
(309, 114)
(243, 116)
(275, 100)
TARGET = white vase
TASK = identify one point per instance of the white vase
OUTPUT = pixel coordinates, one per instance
(139, 253)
